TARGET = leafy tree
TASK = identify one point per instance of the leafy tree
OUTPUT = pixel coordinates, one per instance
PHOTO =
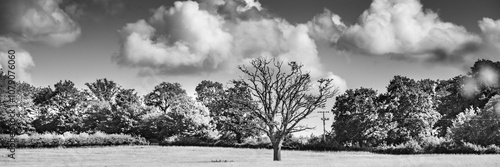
(475, 89)
(209, 92)
(60, 109)
(237, 112)
(123, 116)
(163, 95)
(282, 99)
(453, 100)
(20, 102)
(184, 117)
(358, 118)
(126, 97)
(103, 89)
(412, 108)
(231, 119)
(478, 126)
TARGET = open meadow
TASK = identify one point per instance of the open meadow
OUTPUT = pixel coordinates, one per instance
(208, 156)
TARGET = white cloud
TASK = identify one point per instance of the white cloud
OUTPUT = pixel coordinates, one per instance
(340, 83)
(491, 38)
(33, 21)
(191, 39)
(178, 37)
(402, 27)
(23, 59)
(43, 21)
(249, 5)
(326, 26)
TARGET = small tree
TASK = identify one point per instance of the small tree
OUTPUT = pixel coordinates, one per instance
(283, 100)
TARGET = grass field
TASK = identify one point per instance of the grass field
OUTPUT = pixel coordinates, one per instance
(203, 156)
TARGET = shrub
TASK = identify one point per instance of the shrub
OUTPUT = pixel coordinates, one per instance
(410, 147)
(71, 140)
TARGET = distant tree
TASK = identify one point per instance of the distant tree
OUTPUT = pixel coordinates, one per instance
(103, 89)
(478, 126)
(60, 109)
(20, 103)
(412, 108)
(472, 90)
(282, 99)
(209, 92)
(237, 108)
(358, 118)
(126, 97)
(163, 95)
(453, 100)
(231, 119)
(184, 117)
(122, 116)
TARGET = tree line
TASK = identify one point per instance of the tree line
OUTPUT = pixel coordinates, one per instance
(464, 108)
(270, 99)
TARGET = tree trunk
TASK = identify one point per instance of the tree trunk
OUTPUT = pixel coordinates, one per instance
(239, 137)
(277, 149)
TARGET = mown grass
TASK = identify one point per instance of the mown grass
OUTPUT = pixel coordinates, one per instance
(213, 156)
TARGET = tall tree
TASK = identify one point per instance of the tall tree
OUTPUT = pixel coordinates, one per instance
(358, 118)
(478, 126)
(233, 121)
(283, 99)
(126, 97)
(60, 109)
(186, 117)
(413, 110)
(121, 116)
(103, 89)
(18, 103)
(472, 90)
(453, 100)
(163, 95)
(208, 92)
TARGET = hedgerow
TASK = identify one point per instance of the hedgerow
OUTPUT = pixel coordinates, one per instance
(36, 140)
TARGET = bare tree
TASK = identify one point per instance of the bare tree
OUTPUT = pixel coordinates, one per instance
(283, 99)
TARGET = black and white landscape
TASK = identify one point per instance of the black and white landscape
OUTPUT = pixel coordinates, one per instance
(245, 82)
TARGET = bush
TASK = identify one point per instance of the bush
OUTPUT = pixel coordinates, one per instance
(410, 147)
(71, 140)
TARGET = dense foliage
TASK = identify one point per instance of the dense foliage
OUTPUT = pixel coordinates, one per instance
(460, 114)
(70, 139)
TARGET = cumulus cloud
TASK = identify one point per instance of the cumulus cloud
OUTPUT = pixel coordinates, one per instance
(490, 38)
(193, 38)
(41, 21)
(177, 38)
(249, 4)
(35, 21)
(337, 81)
(403, 28)
(23, 59)
(326, 26)
(235, 10)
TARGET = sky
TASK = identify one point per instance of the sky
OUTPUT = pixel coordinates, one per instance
(139, 44)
